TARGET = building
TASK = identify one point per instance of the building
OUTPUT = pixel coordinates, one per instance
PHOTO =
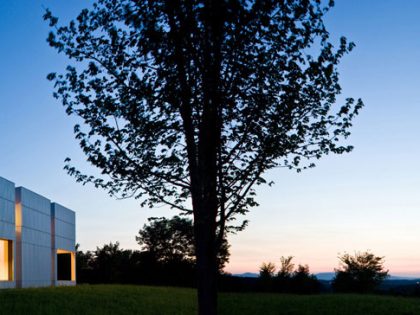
(37, 240)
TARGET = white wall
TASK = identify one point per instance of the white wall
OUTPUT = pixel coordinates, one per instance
(34, 240)
(63, 236)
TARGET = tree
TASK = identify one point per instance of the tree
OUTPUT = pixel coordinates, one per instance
(303, 282)
(283, 281)
(83, 264)
(190, 103)
(267, 271)
(360, 273)
(170, 240)
(266, 279)
(109, 262)
(286, 267)
(288, 279)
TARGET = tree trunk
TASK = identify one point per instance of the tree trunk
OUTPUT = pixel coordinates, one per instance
(206, 266)
(205, 190)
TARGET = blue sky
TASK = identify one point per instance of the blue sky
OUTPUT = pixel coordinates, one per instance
(368, 199)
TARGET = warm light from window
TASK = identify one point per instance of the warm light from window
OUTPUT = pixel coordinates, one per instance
(6, 260)
(66, 265)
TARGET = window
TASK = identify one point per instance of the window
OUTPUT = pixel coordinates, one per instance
(6, 260)
(66, 267)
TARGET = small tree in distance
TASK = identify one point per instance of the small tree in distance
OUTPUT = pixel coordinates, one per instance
(171, 240)
(361, 272)
(167, 239)
(286, 267)
(267, 270)
(288, 279)
(303, 282)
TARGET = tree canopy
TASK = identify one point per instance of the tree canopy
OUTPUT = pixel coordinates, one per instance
(140, 91)
(267, 270)
(286, 267)
(168, 239)
(361, 272)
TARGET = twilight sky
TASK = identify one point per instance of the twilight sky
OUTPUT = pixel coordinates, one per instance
(368, 199)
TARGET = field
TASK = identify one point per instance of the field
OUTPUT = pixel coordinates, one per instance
(116, 299)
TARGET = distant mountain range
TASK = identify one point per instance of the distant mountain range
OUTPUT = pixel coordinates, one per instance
(325, 276)
(246, 275)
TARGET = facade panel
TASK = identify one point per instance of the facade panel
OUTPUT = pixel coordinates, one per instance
(35, 239)
(63, 245)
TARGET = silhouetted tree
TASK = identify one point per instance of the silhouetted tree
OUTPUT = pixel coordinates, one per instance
(361, 273)
(303, 282)
(172, 240)
(266, 281)
(286, 267)
(288, 280)
(267, 270)
(109, 263)
(283, 281)
(168, 239)
(83, 265)
(195, 100)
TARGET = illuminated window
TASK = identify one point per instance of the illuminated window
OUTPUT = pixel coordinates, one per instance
(6, 260)
(66, 266)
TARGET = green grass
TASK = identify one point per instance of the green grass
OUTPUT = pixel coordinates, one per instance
(119, 299)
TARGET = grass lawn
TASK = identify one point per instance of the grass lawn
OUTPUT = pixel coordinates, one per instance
(124, 299)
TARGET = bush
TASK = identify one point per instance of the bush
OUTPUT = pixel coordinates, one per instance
(361, 273)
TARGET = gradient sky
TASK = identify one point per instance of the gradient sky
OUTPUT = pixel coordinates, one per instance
(369, 199)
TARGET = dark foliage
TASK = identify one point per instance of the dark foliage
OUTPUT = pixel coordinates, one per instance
(299, 281)
(168, 239)
(173, 240)
(303, 282)
(111, 264)
(267, 271)
(166, 257)
(361, 273)
(400, 287)
(196, 100)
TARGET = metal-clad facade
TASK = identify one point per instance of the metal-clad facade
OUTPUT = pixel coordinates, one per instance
(34, 242)
(63, 236)
(36, 231)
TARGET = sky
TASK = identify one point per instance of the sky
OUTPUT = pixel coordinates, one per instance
(366, 200)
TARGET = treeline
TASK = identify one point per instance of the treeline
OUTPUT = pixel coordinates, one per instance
(362, 272)
(288, 279)
(111, 264)
(166, 257)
